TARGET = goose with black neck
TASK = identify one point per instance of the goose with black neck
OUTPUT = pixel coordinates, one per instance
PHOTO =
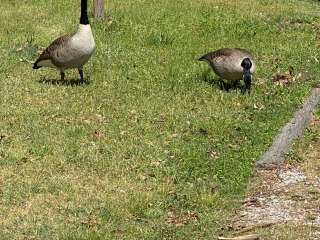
(232, 64)
(71, 50)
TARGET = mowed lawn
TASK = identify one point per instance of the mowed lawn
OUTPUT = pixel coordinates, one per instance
(150, 148)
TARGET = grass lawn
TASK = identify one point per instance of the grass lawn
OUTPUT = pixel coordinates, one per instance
(149, 149)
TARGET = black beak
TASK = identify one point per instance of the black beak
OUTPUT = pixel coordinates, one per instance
(247, 79)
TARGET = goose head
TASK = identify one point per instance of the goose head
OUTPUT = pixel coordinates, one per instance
(246, 64)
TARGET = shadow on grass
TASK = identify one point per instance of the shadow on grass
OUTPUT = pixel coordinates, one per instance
(219, 83)
(67, 82)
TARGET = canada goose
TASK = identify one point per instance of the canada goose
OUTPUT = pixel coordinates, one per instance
(232, 64)
(71, 50)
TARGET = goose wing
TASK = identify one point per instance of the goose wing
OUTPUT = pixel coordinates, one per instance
(226, 53)
(223, 52)
(54, 46)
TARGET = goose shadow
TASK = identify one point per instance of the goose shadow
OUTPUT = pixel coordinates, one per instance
(220, 83)
(67, 82)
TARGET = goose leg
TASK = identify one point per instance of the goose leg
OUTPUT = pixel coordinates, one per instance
(247, 79)
(224, 86)
(62, 75)
(227, 86)
(246, 88)
(237, 83)
(221, 84)
(81, 75)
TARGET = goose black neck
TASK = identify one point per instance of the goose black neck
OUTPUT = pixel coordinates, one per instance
(84, 13)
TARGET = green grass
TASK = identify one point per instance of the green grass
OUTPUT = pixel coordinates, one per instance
(148, 149)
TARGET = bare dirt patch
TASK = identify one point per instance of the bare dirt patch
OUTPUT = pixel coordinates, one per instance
(284, 202)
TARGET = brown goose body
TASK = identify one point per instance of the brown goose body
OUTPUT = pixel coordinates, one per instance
(226, 62)
(71, 50)
(68, 51)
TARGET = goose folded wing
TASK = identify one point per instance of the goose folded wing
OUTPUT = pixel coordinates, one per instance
(55, 45)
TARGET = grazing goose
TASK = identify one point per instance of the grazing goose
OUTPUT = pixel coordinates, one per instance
(232, 64)
(71, 50)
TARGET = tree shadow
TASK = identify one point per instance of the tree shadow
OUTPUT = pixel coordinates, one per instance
(68, 82)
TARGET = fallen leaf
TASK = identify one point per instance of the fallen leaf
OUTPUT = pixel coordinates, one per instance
(122, 133)
(155, 163)
(22, 47)
(98, 134)
(214, 188)
(175, 135)
(258, 107)
(252, 202)
(282, 79)
(143, 177)
(2, 137)
(26, 60)
(19, 49)
(215, 155)
(40, 50)
(183, 219)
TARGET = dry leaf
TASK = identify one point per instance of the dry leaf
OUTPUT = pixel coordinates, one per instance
(284, 79)
(143, 177)
(19, 49)
(3, 136)
(155, 163)
(98, 134)
(23, 46)
(122, 133)
(40, 50)
(252, 202)
(214, 155)
(183, 219)
(258, 106)
(26, 60)
(214, 188)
